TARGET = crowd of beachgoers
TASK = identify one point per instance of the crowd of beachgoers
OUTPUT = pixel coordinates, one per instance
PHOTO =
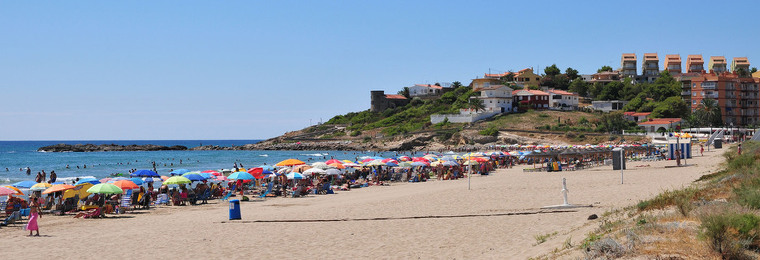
(142, 189)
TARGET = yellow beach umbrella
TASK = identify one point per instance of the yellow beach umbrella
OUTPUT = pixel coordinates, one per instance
(78, 191)
(40, 186)
(290, 162)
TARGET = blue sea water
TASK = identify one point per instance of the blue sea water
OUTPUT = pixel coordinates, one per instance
(17, 155)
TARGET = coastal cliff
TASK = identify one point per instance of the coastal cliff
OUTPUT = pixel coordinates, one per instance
(108, 148)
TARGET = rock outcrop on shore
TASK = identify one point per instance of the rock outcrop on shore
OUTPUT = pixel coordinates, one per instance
(108, 148)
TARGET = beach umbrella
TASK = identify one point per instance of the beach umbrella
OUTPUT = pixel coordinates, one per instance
(177, 180)
(313, 171)
(375, 162)
(241, 176)
(179, 171)
(207, 175)
(479, 159)
(290, 162)
(350, 164)
(257, 172)
(6, 192)
(57, 188)
(283, 171)
(417, 164)
(126, 185)
(405, 158)
(40, 186)
(104, 180)
(105, 188)
(390, 160)
(78, 190)
(449, 163)
(320, 165)
(24, 184)
(18, 192)
(138, 181)
(331, 161)
(150, 179)
(391, 164)
(367, 160)
(337, 165)
(332, 172)
(405, 164)
(346, 161)
(295, 176)
(193, 177)
(213, 172)
(220, 178)
(87, 180)
(435, 164)
(144, 173)
(471, 162)
(301, 168)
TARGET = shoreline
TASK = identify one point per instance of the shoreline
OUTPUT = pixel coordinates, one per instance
(483, 230)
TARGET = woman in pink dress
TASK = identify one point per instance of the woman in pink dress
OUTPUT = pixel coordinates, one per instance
(34, 209)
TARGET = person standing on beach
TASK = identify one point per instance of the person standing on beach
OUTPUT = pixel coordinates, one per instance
(33, 215)
(739, 149)
(701, 150)
(53, 176)
(44, 176)
(28, 171)
(38, 179)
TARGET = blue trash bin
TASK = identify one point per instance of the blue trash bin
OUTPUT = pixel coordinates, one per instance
(234, 209)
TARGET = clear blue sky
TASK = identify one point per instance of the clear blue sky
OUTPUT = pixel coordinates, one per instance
(89, 70)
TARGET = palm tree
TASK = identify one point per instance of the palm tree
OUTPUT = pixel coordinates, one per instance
(711, 112)
(476, 104)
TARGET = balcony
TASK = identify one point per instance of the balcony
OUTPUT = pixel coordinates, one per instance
(686, 93)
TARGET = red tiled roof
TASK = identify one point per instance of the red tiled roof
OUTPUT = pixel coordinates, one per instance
(493, 87)
(394, 96)
(561, 92)
(661, 121)
(532, 92)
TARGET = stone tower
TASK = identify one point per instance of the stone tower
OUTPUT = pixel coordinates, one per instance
(379, 102)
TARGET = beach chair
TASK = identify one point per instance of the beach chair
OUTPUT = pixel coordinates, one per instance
(269, 189)
(162, 198)
(203, 197)
(94, 213)
(11, 218)
(126, 201)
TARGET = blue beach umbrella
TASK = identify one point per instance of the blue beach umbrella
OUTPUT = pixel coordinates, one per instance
(194, 177)
(294, 176)
(207, 175)
(137, 180)
(24, 184)
(144, 173)
(240, 176)
(179, 171)
(87, 180)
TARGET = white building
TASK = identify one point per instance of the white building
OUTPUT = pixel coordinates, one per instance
(496, 98)
(421, 90)
(608, 105)
(563, 100)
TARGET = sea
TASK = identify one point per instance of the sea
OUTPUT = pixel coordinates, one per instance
(16, 156)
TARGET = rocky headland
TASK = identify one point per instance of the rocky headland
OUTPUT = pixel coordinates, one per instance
(108, 148)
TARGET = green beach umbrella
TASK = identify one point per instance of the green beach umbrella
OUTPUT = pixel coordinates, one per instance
(105, 188)
(177, 180)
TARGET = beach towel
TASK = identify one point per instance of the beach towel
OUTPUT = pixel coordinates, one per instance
(269, 189)
(32, 224)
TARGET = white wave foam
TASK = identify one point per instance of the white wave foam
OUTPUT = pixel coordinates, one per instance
(264, 155)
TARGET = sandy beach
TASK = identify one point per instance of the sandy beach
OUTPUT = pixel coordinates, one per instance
(498, 219)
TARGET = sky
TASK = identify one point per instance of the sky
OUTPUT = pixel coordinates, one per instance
(171, 70)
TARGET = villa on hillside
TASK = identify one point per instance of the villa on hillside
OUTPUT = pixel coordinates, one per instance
(562, 100)
(608, 105)
(523, 78)
(496, 98)
(530, 99)
(636, 116)
(425, 90)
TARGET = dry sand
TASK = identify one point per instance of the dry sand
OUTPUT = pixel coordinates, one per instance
(498, 219)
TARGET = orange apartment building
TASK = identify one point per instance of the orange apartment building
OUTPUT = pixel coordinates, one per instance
(717, 64)
(628, 65)
(695, 64)
(737, 97)
(650, 68)
(740, 63)
(673, 63)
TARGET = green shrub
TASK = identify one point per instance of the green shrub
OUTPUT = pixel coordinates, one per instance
(356, 133)
(748, 195)
(730, 233)
(490, 131)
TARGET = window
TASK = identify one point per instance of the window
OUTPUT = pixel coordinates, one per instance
(693, 102)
